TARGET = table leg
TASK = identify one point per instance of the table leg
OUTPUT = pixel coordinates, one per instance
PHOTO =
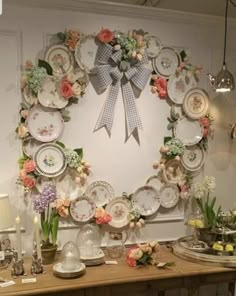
(231, 288)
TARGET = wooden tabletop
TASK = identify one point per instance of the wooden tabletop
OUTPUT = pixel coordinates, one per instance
(106, 275)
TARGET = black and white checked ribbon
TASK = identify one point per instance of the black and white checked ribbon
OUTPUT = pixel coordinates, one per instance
(108, 74)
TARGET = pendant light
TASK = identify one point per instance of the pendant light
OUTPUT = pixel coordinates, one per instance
(224, 80)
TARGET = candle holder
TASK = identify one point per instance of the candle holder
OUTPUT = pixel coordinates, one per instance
(18, 266)
(5, 247)
(37, 266)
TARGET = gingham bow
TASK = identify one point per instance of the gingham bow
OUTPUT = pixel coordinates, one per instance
(109, 74)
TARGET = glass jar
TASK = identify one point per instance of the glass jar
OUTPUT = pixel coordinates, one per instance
(115, 244)
(70, 257)
(89, 241)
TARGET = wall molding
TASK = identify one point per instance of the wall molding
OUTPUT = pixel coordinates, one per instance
(122, 10)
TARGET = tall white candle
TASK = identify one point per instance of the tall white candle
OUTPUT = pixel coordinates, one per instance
(18, 238)
(37, 237)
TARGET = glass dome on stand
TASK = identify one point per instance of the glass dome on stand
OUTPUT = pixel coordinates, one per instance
(69, 265)
(89, 243)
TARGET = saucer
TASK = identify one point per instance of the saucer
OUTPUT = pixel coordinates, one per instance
(60, 272)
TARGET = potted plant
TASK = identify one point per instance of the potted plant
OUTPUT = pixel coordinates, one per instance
(50, 209)
(210, 216)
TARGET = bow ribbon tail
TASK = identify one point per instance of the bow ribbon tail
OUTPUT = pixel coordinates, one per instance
(133, 120)
(106, 116)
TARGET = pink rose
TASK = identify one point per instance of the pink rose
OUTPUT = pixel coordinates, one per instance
(131, 262)
(161, 85)
(107, 218)
(71, 43)
(105, 35)
(204, 122)
(29, 166)
(28, 182)
(63, 212)
(66, 89)
(99, 221)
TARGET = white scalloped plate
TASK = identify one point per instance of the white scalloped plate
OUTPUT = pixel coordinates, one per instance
(196, 103)
(82, 209)
(193, 158)
(189, 131)
(169, 195)
(146, 200)
(155, 181)
(119, 209)
(153, 44)
(100, 192)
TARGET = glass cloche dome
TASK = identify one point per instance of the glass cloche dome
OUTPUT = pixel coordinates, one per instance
(89, 241)
(70, 257)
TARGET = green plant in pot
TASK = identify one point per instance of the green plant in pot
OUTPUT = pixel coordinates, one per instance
(206, 204)
(44, 204)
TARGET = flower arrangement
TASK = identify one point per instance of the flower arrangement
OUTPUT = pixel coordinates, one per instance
(69, 38)
(159, 86)
(201, 191)
(27, 175)
(62, 207)
(143, 254)
(136, 219)
(33, 77)
(132, 45)
(188, 69)
(102, 217)
(72, 87)
(44, 204)
(206, 123)
(173, 147)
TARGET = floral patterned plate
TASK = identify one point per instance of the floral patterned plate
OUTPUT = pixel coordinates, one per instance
(153, 44)
(119, 209)
(66, 185)
(50, 160)
(45, 124)
(195, 103)
(174, 172)
(189, 131)
(49, 96)
(166, 62)
(60, 59)
(193, 158)
(82, 209)
(169, 195)
(100, 192)
(177, 87)
(86, 51)
(30, 145)
(155, 181)
(146, 200)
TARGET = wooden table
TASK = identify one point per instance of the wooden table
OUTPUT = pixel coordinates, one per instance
(121, 279)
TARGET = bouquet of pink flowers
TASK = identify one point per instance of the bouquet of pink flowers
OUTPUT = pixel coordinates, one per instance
(102, 217)
(143, 254)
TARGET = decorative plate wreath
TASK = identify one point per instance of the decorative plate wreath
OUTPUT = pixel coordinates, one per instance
(59, 81)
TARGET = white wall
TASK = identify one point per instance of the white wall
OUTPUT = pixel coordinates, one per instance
(25, 31)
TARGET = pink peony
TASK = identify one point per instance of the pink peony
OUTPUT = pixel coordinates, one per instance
(29, 166)
(105, 35)
(66, 89)
(107, 218)
(99, 220)
(28, 182)
(161, 86)
(131, 262)
(204, 122)
(71, 43)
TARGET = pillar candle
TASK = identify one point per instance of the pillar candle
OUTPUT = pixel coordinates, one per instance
(37, 237)
(18, 238)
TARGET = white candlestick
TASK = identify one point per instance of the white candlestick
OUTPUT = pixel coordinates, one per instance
(37, 237)
(18, 238)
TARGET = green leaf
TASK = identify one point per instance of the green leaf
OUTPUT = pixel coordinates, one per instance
(212, 204)
(61, 144)
(45, 65)
(167, 139)
(61, 36)
(80, 152)
(54, 229)
(183, 55)
(187, 79)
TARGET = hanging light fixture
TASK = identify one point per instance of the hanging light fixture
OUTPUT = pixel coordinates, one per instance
(224, 80)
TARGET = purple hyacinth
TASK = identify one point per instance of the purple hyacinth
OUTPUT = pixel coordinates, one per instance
(42, 200)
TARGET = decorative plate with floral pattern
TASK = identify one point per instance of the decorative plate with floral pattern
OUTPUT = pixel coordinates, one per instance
(100, 192)
(44, 124)
(119, 209)
(193, 158)
(50, 160)
(146, 200)
(169, 195)
(195, 103)
(60, 59)
(82, 209)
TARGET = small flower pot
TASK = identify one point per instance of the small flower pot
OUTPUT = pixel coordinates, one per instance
(206, 235)
(48, 254)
